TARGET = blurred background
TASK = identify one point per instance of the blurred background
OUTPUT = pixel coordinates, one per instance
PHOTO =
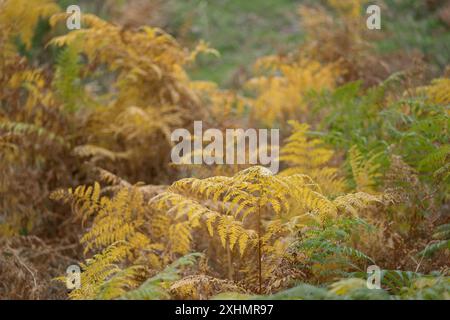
(243, 30)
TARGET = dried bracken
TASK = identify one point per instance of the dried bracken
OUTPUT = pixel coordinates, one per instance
(86, 175)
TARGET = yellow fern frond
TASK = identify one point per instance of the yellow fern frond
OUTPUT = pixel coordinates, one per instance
(309, 156)
(281, 94)
(121, 282)
(365, 171)
(97, 270)
(97, 153)
(349, 9)
(438, 92)
(19, 17)
(356, 202)
(180, 238)
(85, 200)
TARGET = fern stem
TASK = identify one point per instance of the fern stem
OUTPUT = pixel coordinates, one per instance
(259, 249)
(229, 262)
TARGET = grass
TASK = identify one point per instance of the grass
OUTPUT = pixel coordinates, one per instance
(411, 25)
(244, 30)
(241, 30)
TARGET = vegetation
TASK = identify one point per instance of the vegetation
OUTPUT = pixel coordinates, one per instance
(86, 177)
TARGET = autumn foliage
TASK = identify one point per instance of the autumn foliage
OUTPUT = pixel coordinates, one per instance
(86, 175)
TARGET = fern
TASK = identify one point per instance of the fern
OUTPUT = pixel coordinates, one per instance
(18, 18)
(349, 9)
(85, 201)
(156, 287)
(21, 129)
(302, 292)
(116, 231)
(309, 156)
(430, 287)
(282, 84)
(67, 78)
(110, 95)
(365, 172)
(237, 206)
(438, 91)
(99, 269)
(252, 210)
(437, 162)
(442, 234)
(96, 153)
(327, 249)
(120, 283)
(202, 287)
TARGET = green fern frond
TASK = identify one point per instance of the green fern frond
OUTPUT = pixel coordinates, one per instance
(301, 292)
(435, 160)
(366, 170)
(23, 129)
(67, 80)
(435, 247)
(156, 288)
(442, 234)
